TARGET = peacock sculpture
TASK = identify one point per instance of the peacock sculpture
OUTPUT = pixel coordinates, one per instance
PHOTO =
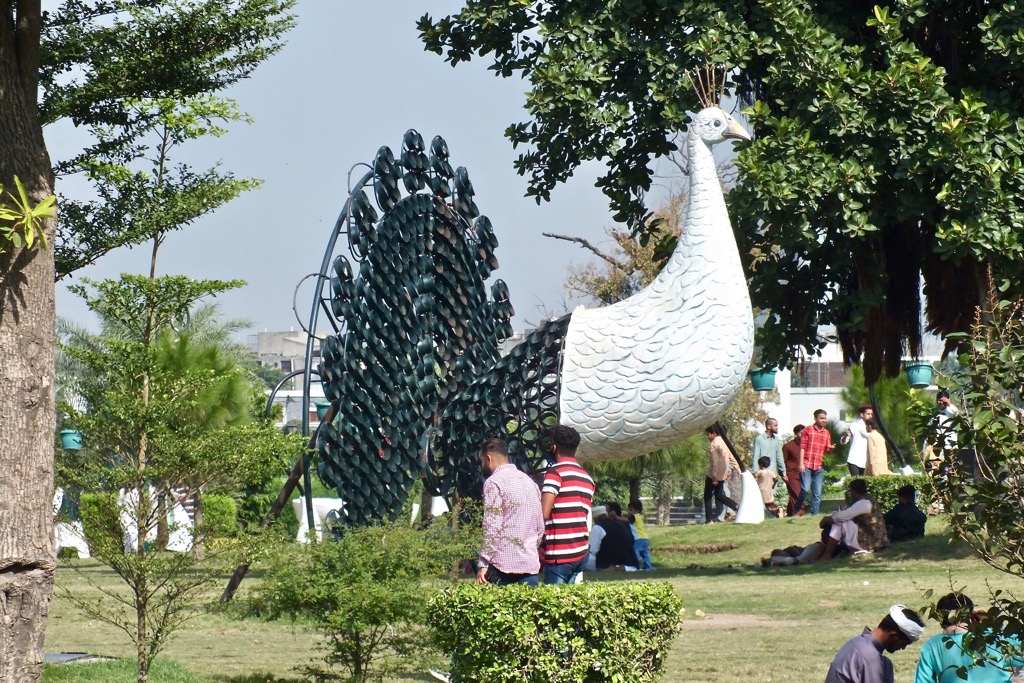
(415, 369)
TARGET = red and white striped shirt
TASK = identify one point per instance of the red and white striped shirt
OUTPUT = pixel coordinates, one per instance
(513, 522)
(566, 535)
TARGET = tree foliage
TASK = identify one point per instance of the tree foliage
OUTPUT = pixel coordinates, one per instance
(888, 143)
(106, 66)
(142, 77)
(980, 479)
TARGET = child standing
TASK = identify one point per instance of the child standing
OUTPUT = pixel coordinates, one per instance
(766, 482)
(641, 543)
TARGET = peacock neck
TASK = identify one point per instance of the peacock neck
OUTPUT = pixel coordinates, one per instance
(706, 241)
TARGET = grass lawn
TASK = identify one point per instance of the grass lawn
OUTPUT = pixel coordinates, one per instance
(760, 625)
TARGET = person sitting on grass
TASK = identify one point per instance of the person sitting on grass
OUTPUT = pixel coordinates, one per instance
(766, 479)
(616, 550)
(859, 528)
(943, 656)
(641, 542)
(860, 660)
(905, 521)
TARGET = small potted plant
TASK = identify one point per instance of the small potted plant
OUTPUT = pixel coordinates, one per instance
(919, 373)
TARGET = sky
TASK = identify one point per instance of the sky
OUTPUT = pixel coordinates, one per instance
(354, 76)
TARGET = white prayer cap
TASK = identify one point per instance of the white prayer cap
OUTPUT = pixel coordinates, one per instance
(911, 629)
(599, 511)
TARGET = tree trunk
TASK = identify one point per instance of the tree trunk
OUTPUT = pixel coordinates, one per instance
(198, 535)
(634, 488)
(27, 340)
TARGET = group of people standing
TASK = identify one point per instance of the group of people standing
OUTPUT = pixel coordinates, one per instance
(552, 529)
(524, 523)
(799, 463)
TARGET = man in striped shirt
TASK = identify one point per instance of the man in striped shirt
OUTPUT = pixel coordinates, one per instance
(512, 523)
(566, 497)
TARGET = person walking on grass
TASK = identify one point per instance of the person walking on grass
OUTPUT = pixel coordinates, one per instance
(815, 441)
(566, 497)
(715, 476)
(513, 523)
(861, 660)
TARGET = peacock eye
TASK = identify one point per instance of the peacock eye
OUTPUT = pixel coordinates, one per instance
(717, 123)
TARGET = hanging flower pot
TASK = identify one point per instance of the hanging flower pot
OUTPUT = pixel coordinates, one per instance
(763, 379)
(919, 374)
(71, 439)
(321, 409)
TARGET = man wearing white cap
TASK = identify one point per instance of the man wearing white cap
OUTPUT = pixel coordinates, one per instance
(860, 660)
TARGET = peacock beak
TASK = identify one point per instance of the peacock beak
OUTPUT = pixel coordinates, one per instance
(735, 131)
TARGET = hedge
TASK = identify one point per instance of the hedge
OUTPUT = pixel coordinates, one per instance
(220, 516)
(586, 633)
(883, 488)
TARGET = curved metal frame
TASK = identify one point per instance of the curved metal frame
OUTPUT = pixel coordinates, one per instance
(314, 316)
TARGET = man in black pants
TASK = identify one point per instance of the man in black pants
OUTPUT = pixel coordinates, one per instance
(719, 458)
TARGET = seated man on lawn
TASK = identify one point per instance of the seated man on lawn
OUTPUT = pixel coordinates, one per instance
(616, 550)
(859, 528)
(905, 521)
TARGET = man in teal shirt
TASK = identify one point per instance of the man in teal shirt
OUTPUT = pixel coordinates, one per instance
(769, 445)
(942, 655)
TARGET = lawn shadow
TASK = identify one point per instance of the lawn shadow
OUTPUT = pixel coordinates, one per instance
(258, 678)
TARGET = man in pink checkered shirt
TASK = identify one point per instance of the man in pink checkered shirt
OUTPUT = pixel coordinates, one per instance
(513, 522)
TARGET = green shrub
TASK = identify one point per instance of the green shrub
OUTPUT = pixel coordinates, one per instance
(883, 488)
(366, 593)
(67, 553)
(220, 516)
(585, 633)
(101, 522)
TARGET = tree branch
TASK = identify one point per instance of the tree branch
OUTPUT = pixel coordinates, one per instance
(587, 245)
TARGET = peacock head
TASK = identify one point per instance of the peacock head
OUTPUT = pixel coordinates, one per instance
(713, 125)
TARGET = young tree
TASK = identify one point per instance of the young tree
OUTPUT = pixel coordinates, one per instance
(836, 227)
(85, 62)
(159, 415)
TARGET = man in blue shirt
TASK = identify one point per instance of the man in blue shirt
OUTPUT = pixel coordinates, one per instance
(768, 444)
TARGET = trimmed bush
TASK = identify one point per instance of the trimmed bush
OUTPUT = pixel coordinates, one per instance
(883, 488)
(67, 553)
(220, 516)
(585, 633)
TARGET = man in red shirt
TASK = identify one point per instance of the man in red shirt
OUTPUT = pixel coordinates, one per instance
(791, 456)
(815, 441)
(512, 521)
(566, 497)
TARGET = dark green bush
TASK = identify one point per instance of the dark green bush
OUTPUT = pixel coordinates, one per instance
(101, 522)
(220, 516)
(883, 488)
(586, 633)
(67, 553)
